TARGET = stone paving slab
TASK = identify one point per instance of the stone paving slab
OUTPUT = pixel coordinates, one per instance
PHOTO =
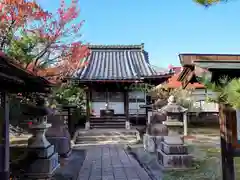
(111, 162)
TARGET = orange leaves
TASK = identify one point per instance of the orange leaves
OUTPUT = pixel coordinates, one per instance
(60, 31)
(55, 36)
(19, 11)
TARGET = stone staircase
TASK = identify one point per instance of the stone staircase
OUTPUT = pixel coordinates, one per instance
(106, 136)
(108, 123)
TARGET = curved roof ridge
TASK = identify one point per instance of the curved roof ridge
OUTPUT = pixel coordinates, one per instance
(117, 46)
(158, 70)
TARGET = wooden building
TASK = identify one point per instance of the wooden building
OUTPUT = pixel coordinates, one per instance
(194, 65)
(13, 79)
(219, 63)
(114, 77)
(218, 66)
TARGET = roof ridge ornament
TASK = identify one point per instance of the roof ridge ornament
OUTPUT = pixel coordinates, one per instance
(171, 99)
(117, 46)
(142, 47)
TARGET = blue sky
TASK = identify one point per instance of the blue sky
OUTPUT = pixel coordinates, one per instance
(167, 27)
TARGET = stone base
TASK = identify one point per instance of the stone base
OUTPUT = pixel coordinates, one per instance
(151, 143)
(174, 161)
(173, 149)
(43, 152)
(43, 168)
(177, 140)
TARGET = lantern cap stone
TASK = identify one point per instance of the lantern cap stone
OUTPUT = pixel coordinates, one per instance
(173, 107)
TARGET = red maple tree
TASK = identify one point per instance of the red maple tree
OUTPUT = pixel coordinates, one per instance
(56, 49)
(15, 15)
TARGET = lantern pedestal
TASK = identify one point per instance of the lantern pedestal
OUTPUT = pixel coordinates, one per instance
(172, 153)
(45, 159)
(174, 130)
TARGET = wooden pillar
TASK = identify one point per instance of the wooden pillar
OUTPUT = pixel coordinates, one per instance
(227, 115)
(88, 110)
(185, 124)
(70, 123)
(4, 156)
(148, 101)
(126, 109)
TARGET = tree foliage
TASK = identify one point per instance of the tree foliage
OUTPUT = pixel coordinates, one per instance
(227, 90)
(232, 90)
(183, 96)
(68, 94)
(217, 87)
(40, 40)
(208, 3)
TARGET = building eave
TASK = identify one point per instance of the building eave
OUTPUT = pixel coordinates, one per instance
(224, 64)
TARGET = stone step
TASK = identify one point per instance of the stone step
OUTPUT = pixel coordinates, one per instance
(132, 141)
(108, 123)
(104, 138)
(106, 141)
(107, 126)
(107, 120)
(106, 132)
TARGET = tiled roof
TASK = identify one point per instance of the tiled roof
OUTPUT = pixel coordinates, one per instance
(174, 83)
(160, 70)
(177, 69)
(116, 62)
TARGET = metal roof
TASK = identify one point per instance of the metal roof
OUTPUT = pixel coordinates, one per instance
(116, 62)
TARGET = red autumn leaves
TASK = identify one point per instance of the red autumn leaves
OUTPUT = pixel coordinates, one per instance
(58, 32)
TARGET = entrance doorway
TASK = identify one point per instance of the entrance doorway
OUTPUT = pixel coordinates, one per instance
(115, 101)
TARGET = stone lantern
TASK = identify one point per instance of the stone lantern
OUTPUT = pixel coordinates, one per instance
(172, 153)
(45, 160)
(174, 114)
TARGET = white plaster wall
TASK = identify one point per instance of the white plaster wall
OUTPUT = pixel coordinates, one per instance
(96, 106)
(117, 106)
(134, 106)
(200, 96)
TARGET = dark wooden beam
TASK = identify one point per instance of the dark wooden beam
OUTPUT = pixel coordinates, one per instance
(88, 110)
(4, 156)
(227, 116)
(126, 105)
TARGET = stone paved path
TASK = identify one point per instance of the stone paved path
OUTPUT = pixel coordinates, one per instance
(111, 162)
